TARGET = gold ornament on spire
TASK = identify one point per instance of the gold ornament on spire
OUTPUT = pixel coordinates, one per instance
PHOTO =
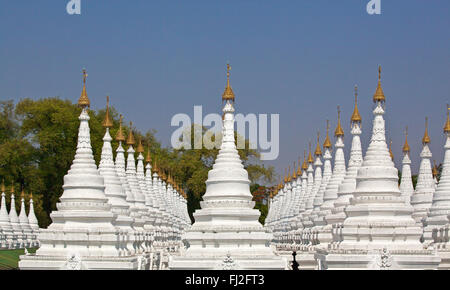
(406, 145)
(289, 174)
(228, 94)
(130, 139)
(120, 137)
(339, 132)
(285, 176)
(426, 138)
(390, 150)
(310, 158)
(140, 148)
(3, 185)
(447, 124)
(83, 101)
(435, 169)
(294, 175)
(148, 159)
(12, 188)
(327, 142)
(356, 117)
(107, 122)
(318, 151)
(379, 95)
(305, 164)
(22, 194)
(299, 170)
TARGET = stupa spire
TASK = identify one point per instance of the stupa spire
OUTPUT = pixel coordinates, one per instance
(406, 185)
(119, 136)
(83, 101)
(228, 94)
(406, 148)
(107, 122)
(447, 123)
(356, 117)
(339, 132)
(5, 224)
(327, 142)
(379, 94)
(426, 138)
(32, 216)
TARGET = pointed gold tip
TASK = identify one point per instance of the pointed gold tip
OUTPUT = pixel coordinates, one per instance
(107, 122)
(379, 94)
(318, 151)
(294, 174)
(130, 139)
(148, 159)
(356, 117)
(120, 137)
(447, 123)
(22, 194)
(228, 94)
(83, 101)
(299, 170)
(327, 142)
(140, 148)
(426, 138)
(339, 132)
(12, 189)
(310, 158)
(406, 148)
(435, 169)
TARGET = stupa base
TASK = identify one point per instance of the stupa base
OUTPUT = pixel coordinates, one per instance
(377, 260)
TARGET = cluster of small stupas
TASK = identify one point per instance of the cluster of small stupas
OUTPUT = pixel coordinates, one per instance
(356, 215)
(119, 215)
(17, 231)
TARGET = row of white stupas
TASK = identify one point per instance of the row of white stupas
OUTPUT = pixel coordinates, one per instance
(17, 231)
(114, 216)
(357, 217)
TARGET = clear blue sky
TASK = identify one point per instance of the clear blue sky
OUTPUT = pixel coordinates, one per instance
(296, 58)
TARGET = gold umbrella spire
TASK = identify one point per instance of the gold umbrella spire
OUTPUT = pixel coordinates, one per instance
(107, 122)
(140, 148)
(327, 142)
(12, 188)
(119, 136)
(406, 145)
(426, 138)
(339, 132)
(22, 194)
(148, 159)
(228, 93)
(356, 117)
(305, 164)
(435, 169)
(130, 139)
(318, 151)
(299, 170)
(310, 158)
(390, 150)
(294, 175)
(83, 101)
(285, 176)
(289, 174)
(447, 124)
(379, 94)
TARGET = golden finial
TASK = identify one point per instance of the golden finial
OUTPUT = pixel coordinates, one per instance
(3, 185)
(31, 195)
(130, 139)
(299, 170)
(294, 175)
(447, 124)
(22, 194)
(406, 145)
(285, 176)
(120, 137)
(148, 159)
(318, 151)
(12, 188)
(107, 122)
(83, 101)
(140, 148)
(289, 174)
(426, 138)
(390, 150)
(339, 132)
(379, 95)
(356, 117)
(228, 93)
(435, 169)
(327, 143)
(310, 159)
(305, 164)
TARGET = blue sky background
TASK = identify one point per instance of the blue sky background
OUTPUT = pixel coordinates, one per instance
(297, 58)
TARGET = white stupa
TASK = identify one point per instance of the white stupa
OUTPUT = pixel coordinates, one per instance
(379, 231)
(226, 233)
(15, 223)
(32, 220)
(406, 185)
(82, 235)
(24, 223)
(425, 187)
(8, 240)
(436, 225)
